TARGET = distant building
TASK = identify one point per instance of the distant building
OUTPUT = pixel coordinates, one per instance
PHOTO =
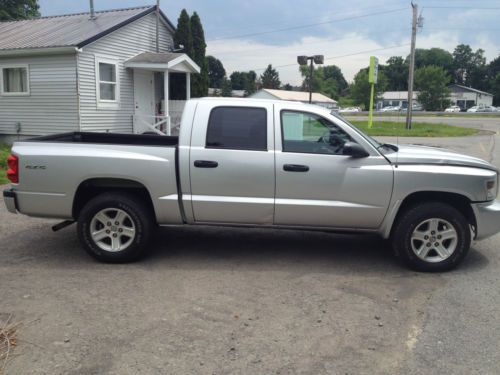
(463, 96)
(395, 99)
(466, 97)
(296, 96)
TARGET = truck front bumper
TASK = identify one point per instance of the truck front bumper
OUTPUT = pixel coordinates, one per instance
(487, 219)
(10, 199)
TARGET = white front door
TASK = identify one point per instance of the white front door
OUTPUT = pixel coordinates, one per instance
(144, 94)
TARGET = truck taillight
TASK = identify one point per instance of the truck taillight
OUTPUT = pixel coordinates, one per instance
(13, 171)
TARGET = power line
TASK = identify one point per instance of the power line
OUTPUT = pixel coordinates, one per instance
(463, 28)
(338, 56)
(307, 25)
(254, 26)
(461, 7)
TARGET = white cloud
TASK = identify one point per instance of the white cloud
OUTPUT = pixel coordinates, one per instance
(243, 55)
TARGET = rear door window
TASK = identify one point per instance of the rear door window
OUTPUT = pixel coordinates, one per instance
(237, 128)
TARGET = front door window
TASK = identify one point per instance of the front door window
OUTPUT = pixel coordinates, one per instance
(304, 132)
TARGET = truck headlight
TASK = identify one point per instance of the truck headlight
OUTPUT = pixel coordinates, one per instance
(491, 189)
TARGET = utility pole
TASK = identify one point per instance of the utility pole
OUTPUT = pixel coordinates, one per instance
(412, 66)
(311, 71)
(157, 26)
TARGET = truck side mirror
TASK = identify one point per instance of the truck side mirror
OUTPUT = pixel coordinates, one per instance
(355, 150)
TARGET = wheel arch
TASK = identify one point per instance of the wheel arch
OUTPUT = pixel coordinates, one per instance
(92, 187)
(458, 201)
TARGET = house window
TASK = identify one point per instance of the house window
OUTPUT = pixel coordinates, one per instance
(15, 80)
(107, 83)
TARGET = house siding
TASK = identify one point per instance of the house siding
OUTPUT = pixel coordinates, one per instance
(124, 43)
(52, 106)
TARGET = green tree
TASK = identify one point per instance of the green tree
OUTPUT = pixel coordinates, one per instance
(244, 81)
(238, 80)
(11, 10)
(495, 89)
(199, 83)
(183, 36)
(327, 80)
(270, 78)
(335, 73)
(432, 82)
(250, 83)
(468, 65)
(216, 72)
(359, 90)
(226, 89)
(287, 87)
(493, 79)
(433, 56)
(317, 78)
(494, 67)
(396, 71)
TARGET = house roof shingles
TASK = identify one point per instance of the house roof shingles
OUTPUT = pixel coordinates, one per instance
(66, 30)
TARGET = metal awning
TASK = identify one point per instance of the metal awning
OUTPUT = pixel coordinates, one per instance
(160, 62)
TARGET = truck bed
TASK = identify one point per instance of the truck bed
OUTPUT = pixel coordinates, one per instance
(109, 138)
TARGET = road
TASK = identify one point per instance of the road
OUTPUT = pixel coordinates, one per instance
(253, 301)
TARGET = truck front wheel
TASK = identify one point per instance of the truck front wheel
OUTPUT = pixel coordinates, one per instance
(115, 228)
(431, 237)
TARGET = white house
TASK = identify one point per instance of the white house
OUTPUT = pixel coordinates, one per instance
(80, 72)
(297, 96)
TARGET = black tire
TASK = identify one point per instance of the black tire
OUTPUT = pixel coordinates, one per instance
(413, 217)
(139, 218)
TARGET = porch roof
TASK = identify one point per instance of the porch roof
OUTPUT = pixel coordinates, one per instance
(171, 61)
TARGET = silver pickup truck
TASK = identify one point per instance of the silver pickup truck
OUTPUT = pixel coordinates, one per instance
(256, 163)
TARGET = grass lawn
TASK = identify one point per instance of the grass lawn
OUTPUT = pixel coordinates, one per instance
(4, 152)
(427, 114)
(419, 129)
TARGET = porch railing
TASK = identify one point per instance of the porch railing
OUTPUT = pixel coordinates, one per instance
(160, 124)
(156, 124)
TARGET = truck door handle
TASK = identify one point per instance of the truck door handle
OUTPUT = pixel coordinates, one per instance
(295, 168)
(205, 164)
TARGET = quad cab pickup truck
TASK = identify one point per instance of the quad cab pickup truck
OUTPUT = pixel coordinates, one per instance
(249, 162)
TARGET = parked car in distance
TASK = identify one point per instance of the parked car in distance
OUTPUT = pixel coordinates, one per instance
(453, 108)
(482, 108)
(349, 110)
(391, 109)
(417, 108)
(256, 162)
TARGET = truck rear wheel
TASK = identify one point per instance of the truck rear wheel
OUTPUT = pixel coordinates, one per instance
(115, 228)
(431, 237)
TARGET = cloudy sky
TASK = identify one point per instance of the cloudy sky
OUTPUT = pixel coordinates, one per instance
(246, 34)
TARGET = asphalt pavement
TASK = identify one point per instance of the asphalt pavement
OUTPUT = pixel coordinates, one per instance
(248, 301)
